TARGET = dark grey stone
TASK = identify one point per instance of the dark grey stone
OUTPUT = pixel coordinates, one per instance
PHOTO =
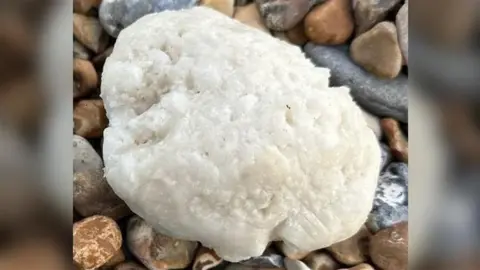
(390, 205)
(269, 259)
(381, 97)
(115, 15)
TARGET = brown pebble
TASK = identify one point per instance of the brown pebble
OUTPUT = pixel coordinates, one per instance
(89, 118)
(378, 51)
(85, 78)
(96, 240)
(129, 266)
(389, 247)
(289, 252)
(321, 261)
(396, 140)
(296, 35)
(83, 6)
(206, 259)
(330, 23)
(250, 15)
(158, 251)
(353, 250)
(226, 7)
(89, 32)
(362, 266)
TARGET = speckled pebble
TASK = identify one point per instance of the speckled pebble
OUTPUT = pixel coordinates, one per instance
(390, 205)
(115, 15)
(96, 240)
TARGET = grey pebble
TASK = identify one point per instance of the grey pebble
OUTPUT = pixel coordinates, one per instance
(381, 97)
(390, 205)
(115, 15)
(367, 13)
(269, 259)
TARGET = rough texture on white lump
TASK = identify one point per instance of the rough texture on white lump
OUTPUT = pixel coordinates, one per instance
(222, 134)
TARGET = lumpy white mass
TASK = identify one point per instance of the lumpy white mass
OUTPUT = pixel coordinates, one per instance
(222, 134)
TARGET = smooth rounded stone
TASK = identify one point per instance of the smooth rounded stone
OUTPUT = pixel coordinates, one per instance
(296, 35)
(330, 23)
(389, 247)
(391, 198)
(85, 78)
(84, 6)
(89, 32)
(295, 265)
(93, 196)
(158, 251)
(395, 138)
(402, 29)
(291, 253)
(129, 266)
(206, 259)
(386, 155)
(383, 98)
(321, 261)
(96, 240)
(89, 118)
(362, 266)
(226, 7)
(80, 51)
(283, 15)
(84, 156)
(269, 259)
(250, 15)
(116, 15)
(367, 13)
(373, 123)
(378, 51)
(353, 250)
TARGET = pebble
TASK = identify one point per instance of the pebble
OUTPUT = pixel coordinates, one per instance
(206, 259)
(292, 254)
(396, 140)
(226, 7)
(96, 240)
(250, 15)
(79, 51)
(386, 156)
(373, 123)
(295, 265)
(269, 259)
(84, 6)
(389, 247)
(321, 261)
(89, 32)
(353, 250)
(283, 15)
(117, 259)
(402, 28)
(89, 118)
(296, 35)
(362, 266)
(115, 15)
(92, 195)
(390, 205)
(129, 266)
(384, 98)
(330, 23)
(85, 78)
(84, 156)
(367, 13)
(378, 51)
(237, 266)
(158, 251)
